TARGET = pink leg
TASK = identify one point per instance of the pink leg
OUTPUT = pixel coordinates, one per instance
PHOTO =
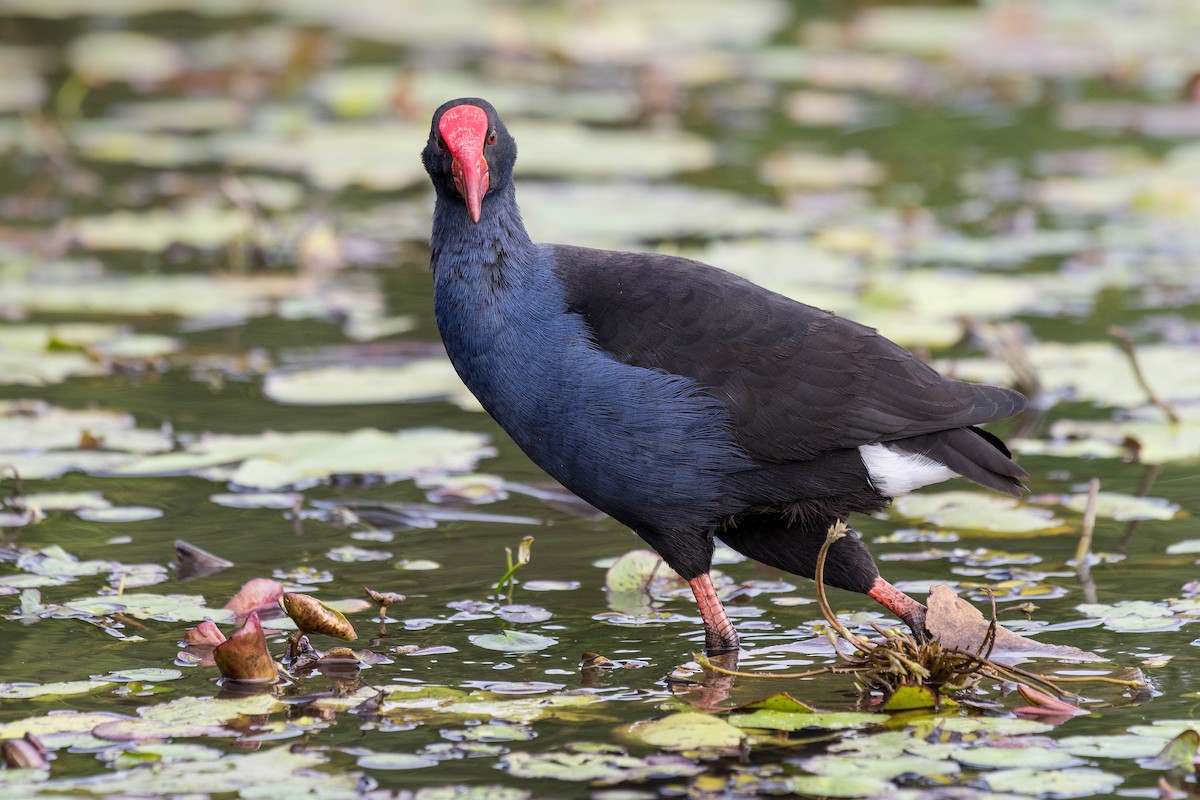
(719, 634)
(900, 604)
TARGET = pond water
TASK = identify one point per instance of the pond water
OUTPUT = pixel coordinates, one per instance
(216, 306)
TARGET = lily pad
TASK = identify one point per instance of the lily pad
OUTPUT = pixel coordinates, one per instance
(841, 786)
(1124, 507)
(513, 641)
(792, 721)
(608, 767)
(885, 768)
(423, 380)
(977, 511)
(278, 460)
(1033, 758)
(1074, 782)
(165, 608)
(685, 731)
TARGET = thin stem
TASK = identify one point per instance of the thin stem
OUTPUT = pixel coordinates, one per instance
(1122, 337)
(1083, 553)
(836, 531)
(703, 661)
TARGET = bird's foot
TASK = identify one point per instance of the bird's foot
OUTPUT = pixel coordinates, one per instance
(719, 633)
(908, 610)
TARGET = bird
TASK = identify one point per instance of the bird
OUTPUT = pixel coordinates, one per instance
(686, 402)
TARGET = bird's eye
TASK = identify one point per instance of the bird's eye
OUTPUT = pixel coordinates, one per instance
(441, 144)
(491, 138)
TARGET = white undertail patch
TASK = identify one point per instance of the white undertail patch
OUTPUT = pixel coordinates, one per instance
(896, 472)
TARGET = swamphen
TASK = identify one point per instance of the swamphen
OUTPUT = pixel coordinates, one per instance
(683, 400)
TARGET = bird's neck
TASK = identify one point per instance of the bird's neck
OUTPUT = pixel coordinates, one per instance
(498, 243)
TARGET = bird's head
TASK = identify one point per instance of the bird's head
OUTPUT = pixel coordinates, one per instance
(469, 152)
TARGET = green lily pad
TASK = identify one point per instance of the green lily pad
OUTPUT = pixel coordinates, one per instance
(1124, 507)
(884, 767)
(994, 726)
(153, 231)
(685, 731)
(270, 774)
(422, 380)
(277, 460)
(779, 702)
(1180, 753)
(791, 721)
(513, 641)
(840, 786)
(1058, 783)
(58, 722)
(1033, 758)
(165, 608)
(122, 55)
(64, 501)
(1124, 745)
(597, 766)
(909, 697)
(394, 761)
(642, 573)
(977, 511)
(26, 691)
(120, 514)
(490, 732)
(522, 709)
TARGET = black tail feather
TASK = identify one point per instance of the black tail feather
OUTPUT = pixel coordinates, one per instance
(973, 453)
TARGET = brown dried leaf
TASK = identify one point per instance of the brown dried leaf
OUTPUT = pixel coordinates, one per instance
(313, 616)
(206, 634)
(258, 594)
(956, 623)
(244, 656)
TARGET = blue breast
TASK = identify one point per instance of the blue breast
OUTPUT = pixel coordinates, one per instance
(642, 445)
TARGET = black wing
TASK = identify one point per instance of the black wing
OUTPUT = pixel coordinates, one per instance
(798, 381)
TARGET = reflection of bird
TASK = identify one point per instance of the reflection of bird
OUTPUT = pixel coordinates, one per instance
(682, 400)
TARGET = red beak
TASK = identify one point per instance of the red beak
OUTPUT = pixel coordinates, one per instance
(465, 129)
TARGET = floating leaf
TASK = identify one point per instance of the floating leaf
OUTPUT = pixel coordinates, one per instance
(25, 691)
(275, 460)
(1124, 507)
(394, 761)
(909, 697)
(165, 608)
(423, 380)
(685, 731)
(1181, 753)
(840, 786)
(779, 702)
(1127, 746)
(119, 514)
(792, 721)
(883, 767)
(607, 767)
(1073, 782)
(977, 511)
(513, 641)
(1033, 758)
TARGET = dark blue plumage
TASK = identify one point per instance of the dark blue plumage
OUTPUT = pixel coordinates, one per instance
(684, 401)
